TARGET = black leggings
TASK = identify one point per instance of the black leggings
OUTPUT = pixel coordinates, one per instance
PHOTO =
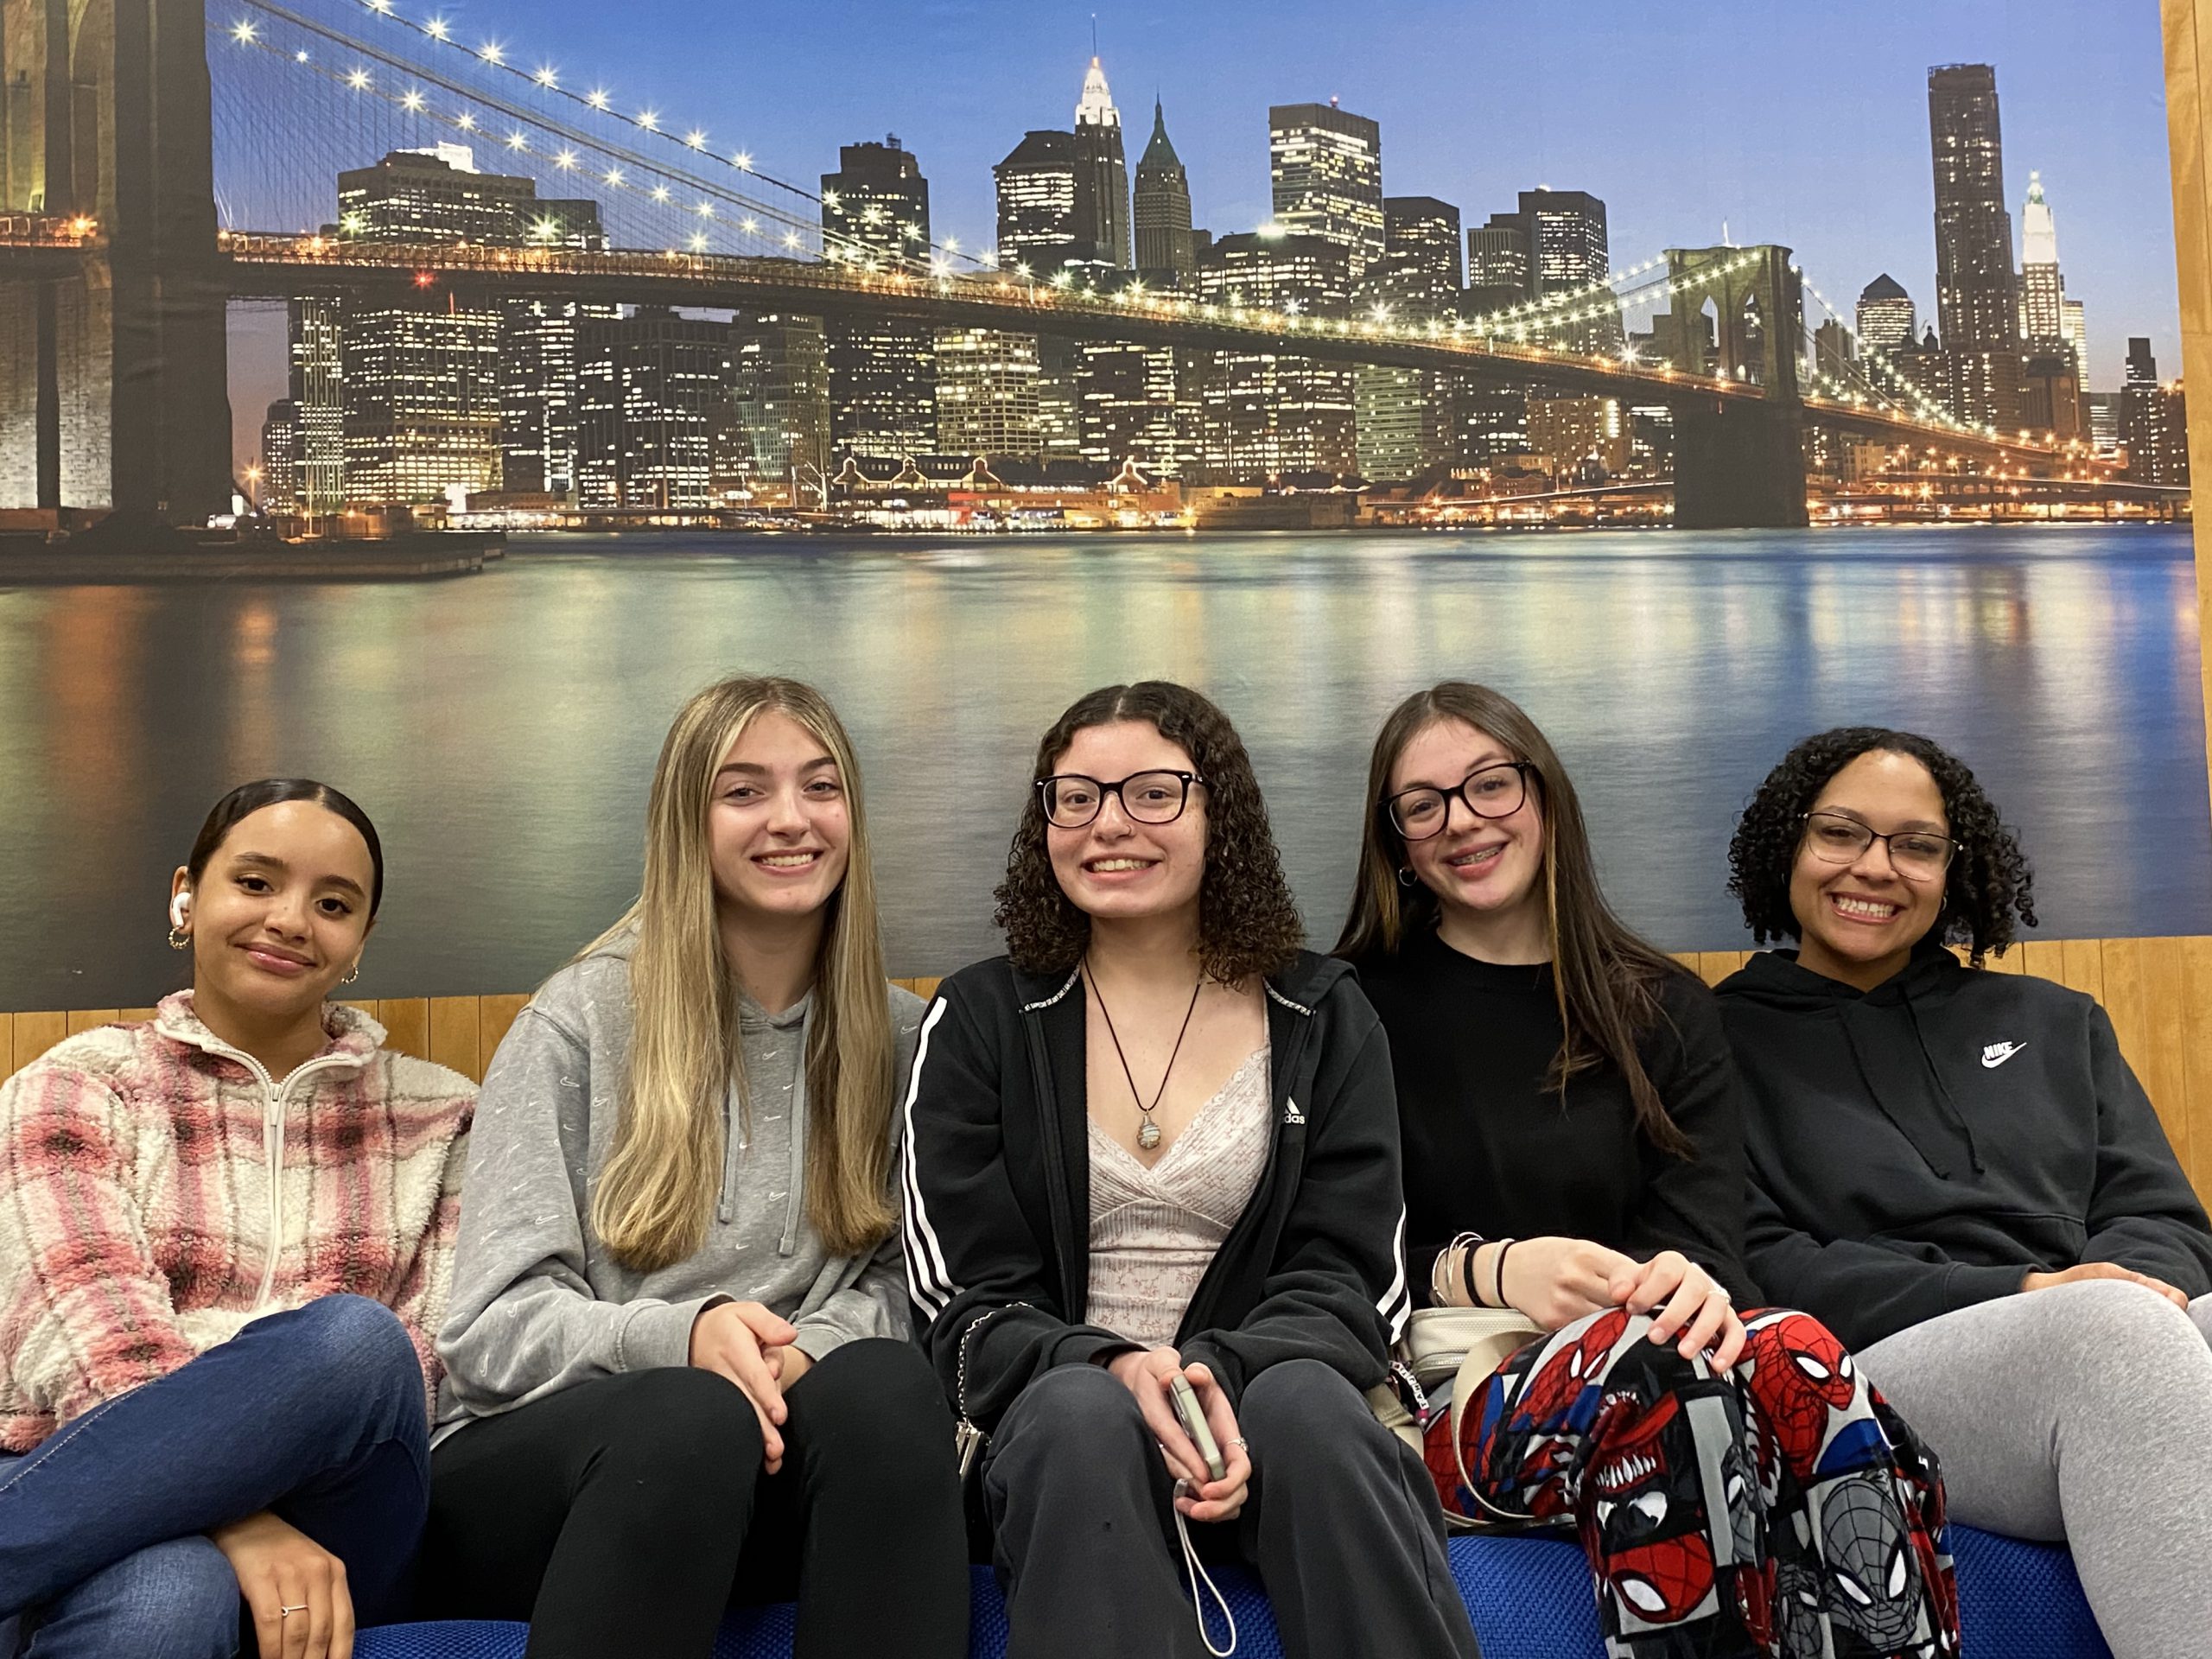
(623, 1516)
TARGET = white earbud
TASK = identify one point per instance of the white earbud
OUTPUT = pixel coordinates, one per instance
(180, 910)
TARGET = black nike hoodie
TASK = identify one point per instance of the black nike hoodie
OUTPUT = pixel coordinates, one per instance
(1924, 1146)
(997, 1179)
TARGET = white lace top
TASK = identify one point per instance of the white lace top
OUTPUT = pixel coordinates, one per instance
(1154, 1231)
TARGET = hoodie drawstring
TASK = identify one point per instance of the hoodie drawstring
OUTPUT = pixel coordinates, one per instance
(1951, 1107)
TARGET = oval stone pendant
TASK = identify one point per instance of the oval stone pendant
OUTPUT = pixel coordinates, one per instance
(1148, 1135)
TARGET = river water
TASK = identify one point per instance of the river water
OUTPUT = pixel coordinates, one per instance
(501, 728)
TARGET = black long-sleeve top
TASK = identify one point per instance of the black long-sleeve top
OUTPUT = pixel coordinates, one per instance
(1490, 1147)
(1924, 1146)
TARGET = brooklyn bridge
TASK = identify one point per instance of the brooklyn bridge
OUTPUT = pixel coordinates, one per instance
(155, 153)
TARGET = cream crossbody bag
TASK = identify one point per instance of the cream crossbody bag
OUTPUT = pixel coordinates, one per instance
(1461, 1347)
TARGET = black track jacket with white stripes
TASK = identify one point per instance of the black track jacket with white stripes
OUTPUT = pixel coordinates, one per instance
(997, 1190)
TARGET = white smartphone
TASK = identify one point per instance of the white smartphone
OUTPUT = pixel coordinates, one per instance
(1192, 1416)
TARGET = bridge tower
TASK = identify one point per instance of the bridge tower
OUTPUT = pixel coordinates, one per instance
(112, 379)
(1739, 316)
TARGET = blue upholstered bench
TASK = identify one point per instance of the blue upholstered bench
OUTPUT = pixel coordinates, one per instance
(1530, 1599)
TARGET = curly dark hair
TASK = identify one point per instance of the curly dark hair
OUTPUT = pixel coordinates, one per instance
(1248, 921)
(1989, 885)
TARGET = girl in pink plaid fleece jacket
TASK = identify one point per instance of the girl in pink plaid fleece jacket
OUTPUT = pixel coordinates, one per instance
(226, 1240)
(145, 1171)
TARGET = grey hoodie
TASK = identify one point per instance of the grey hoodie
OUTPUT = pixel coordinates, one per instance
(539, 1305)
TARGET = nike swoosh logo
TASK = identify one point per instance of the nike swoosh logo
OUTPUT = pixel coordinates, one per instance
(1997, 1053)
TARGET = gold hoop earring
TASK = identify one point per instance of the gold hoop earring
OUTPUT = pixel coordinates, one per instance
(351, 973)
(179, 939)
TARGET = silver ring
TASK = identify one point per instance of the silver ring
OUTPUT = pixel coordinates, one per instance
(1238, 1439)
(286, 1612)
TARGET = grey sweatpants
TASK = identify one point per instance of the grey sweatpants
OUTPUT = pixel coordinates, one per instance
(2082, 1413)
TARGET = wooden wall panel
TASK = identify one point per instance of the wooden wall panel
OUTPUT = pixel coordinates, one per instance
(406, 1022)
(36, 1033)
(2194, 1149)
(494, 1015)
(2082, 966)
(2124, 1002)
(455, 1034)
(2158, 993)
(2166, 1032)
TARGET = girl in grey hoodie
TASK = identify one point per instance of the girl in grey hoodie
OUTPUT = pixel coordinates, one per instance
(680, 1366)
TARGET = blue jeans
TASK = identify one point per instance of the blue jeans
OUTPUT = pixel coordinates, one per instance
(316, 1414)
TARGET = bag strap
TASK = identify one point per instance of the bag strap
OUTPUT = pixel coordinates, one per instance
(1464, 1386)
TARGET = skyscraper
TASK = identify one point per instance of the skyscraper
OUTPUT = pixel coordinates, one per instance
(2153, 421)
(1405, 418)
(875, 207)
(1887, 318)
(1325, 165)
(1038, 221)
(280, 459)
(2051, 373)
(420, 379)
(780, 382)
(1498, 275)
(537, 361)
(2043, 289)
(1569, 245)
(1165, 255)
(655, 412)
(1976, 294)
(317, 376)
(1101, 198)
(1268, 417)
(875, 211)
(2052, 325)
(1570, 252)
(987, 394)
(435, 195)
(1141, 403)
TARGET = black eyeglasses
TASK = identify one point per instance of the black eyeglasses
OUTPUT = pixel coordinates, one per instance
(1072, 800)
(1916, 855)
(1491, 793)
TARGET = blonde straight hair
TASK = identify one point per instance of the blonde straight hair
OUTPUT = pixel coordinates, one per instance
(665, 1165)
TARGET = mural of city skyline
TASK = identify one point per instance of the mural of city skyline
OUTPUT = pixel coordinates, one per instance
(1337, 240)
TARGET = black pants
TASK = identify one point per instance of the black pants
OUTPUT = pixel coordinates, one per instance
(1342, 1522)
(623, 1516)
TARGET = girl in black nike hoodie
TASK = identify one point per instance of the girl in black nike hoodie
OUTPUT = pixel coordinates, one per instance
(1956, 1170)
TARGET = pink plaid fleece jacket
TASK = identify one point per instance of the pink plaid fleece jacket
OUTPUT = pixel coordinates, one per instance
(159, 1191)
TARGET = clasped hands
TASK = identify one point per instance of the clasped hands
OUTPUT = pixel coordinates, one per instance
(1146, 1373)
(1557, 1281)
(752, 1347)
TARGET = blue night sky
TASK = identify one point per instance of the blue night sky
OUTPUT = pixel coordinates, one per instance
(1791, 122)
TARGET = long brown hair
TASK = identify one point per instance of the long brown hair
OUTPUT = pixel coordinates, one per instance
(1248, 921)
(1605, 978)
(664, 1164)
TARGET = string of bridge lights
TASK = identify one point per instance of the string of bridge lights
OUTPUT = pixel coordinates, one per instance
(1518, 323)
(546, 79)
(1928, 411)
(566, 158)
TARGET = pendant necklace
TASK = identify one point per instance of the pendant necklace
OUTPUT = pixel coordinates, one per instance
(1147, 1131)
